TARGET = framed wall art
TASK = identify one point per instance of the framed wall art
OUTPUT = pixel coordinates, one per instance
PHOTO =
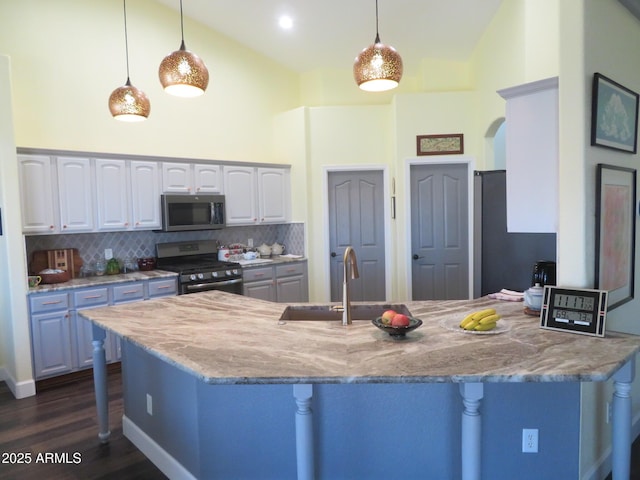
(614, 115)
(447, 144)
(615, 232)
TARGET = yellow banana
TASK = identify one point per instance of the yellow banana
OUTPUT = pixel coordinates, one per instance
(484, 313)
(467, 319)
(472, 324)
(483, 327)
(490, 319)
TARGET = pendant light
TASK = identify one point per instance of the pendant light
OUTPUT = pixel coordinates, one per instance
(378, 67)
(183, 73)
(127, 103)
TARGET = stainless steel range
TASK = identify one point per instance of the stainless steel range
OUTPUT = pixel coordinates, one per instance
(198, 267)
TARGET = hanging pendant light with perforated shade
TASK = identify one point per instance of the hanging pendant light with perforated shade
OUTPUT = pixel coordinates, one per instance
(183, 73)
(378, 67)
(128, 103)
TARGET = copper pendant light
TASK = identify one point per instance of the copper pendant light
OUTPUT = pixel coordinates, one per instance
(183, 73)
(378, 67)
(128, 103)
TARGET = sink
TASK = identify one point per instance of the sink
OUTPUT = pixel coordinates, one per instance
(325, 312)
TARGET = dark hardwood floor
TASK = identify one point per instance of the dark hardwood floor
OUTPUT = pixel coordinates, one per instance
(61, 420)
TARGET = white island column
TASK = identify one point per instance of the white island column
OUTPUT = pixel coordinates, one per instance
(621, 420)
(304, 431)
(471, 393)
(100, 383)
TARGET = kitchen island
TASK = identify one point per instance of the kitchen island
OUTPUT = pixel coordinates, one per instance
(223, 362)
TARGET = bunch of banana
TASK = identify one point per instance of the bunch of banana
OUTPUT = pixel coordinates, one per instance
(481, 320)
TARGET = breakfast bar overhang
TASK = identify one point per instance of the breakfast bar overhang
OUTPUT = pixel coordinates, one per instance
(216, 338)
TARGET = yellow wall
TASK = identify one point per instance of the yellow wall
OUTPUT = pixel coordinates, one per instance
(69, 55)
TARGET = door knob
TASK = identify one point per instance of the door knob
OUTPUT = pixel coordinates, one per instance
(334, 254)
(416, 256)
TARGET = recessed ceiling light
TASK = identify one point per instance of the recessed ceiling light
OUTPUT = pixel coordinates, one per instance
(285, 22)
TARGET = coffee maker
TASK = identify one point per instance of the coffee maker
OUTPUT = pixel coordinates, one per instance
(544, 273)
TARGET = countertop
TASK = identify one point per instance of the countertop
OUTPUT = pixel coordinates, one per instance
(211, 337)
(275, 260)
(101, 280)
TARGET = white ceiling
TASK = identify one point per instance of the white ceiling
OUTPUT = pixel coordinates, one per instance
(330, 33)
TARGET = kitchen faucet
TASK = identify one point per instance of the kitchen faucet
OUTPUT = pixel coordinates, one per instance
(349, 259)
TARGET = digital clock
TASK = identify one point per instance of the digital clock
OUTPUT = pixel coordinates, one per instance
(577, 310)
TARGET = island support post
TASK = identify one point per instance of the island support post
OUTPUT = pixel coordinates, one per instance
(621, 420)
(100, 382)
(303, 393)
(472, 394)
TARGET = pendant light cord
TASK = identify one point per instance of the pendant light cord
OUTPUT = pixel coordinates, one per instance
(126, 40)
(377, 34)
(182, 47)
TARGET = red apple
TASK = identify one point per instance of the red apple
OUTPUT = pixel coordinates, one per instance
(387, 316)
(400, 320)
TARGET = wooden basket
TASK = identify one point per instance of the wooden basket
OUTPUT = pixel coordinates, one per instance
(55, 277)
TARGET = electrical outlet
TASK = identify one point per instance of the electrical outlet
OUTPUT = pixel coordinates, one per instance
(529, 440)
(250, 243)
(149, 404)
(108, 253)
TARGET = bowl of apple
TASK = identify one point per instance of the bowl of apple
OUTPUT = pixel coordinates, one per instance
(396, 324)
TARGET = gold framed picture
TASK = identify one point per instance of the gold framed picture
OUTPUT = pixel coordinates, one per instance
(446, 144)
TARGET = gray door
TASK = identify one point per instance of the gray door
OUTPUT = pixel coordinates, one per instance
(439, 231)
(356, 218)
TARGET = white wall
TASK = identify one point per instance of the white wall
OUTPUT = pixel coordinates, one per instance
(15, 345)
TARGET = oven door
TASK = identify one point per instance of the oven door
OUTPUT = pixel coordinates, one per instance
(231, 286)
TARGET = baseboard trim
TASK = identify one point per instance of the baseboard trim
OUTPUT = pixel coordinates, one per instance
(603, 465)
(19, 389)
(154, 452)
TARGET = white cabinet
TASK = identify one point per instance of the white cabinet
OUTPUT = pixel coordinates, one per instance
(274, 195)
(145, 194)
(51, 335)
(112, 191)
(241, 195)
(75, 193)
(191, 178)
(532, 156)
(257, 195)
(36, 190)
(128, 194)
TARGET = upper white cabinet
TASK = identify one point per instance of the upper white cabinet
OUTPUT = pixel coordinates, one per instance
(257, 195)
(128, 194)
(113, 194)
(532, 156)
(145, 194)
(191, 178)
(36, 190)
(63, 194)
(240, 198)
(274, 195)
(75, 192)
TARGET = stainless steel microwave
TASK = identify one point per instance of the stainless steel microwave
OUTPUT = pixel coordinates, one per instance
(192, 212)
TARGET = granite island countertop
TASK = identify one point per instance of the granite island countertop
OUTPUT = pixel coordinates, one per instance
(223, 338)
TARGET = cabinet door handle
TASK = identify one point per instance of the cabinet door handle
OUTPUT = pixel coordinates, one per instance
(52, 302)
(163, 287)
(130, 292)
(91, 297)
(259, 274)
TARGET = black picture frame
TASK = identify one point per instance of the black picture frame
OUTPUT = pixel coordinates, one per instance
(614, 115)
(615, 232)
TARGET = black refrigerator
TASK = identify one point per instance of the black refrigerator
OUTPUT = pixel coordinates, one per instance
(502, 259)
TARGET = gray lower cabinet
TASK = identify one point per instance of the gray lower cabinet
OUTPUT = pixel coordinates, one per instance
(286, 283)
(51, 334)
(61, 339)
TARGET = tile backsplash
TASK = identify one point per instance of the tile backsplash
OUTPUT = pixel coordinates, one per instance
(91, 246)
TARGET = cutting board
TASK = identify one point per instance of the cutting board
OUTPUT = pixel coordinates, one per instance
(67, 259)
